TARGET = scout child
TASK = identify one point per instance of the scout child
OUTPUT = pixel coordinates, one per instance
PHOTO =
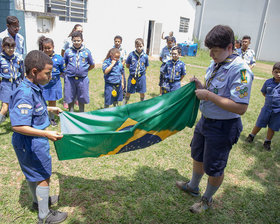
(164, 57)
(53, 90)
(174, 71)
(29, 120)
(224, 97)
(270, 113)
(137, 62)
(113, 70)
(11, 73)
(78, 62)
(247, 53)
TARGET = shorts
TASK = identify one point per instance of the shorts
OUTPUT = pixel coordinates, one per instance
(212, 142)
(268, 118)
(33, 156)
(76, 88)
(170, 86)
(139, 86)
(54, 92)
(109, 99)
(6, 89)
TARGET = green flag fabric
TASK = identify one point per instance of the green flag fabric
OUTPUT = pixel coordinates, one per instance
(126, 128)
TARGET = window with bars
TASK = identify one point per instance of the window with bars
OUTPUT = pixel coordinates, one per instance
(184, 24)
(68, 10)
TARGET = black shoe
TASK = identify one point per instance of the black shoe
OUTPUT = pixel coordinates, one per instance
(53, 217)
(53, 123)
(249, 139)
(52, 200)
(266, 145)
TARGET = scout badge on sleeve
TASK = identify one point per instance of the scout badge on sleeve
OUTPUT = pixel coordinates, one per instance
(243, 76)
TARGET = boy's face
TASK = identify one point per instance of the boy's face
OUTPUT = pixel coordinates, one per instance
(13, 28)
(170, 44)
(77, 42)
(139, 47)
(48, 49)
(44, 76)
(116, 57)
(276, 74)
(220, 54)
(117, 42)
(175, 55)
(245, 43)
(9, 50)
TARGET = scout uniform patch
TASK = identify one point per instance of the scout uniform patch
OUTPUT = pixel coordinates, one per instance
(243, 92)
(243, 76)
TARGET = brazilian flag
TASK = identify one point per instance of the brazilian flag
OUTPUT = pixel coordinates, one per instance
(126, 128)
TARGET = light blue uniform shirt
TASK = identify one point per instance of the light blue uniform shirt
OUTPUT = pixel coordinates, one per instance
(233, 81)
(19, 43)
(248, 56)
(165, 54)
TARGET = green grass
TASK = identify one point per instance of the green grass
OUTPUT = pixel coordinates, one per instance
(139, 186)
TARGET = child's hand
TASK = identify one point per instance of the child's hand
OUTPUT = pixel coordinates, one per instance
(55, 110)
(53, 135)
(114, 62)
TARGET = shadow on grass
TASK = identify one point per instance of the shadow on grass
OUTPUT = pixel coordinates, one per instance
(6, 128)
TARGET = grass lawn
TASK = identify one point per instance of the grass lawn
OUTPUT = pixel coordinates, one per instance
(139, 186)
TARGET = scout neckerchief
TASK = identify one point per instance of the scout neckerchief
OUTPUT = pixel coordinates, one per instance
(13, 69)
(173, 72)
(228, 60)
(137, 71)
(243, 52)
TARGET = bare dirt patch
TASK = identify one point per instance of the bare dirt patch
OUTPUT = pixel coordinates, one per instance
(264, 67)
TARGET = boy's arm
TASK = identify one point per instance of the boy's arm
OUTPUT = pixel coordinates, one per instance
(54, 110)
(109, 68)
(30, 131)
(90, 61)
(91, 67)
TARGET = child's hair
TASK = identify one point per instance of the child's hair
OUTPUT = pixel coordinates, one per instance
(112, 52)
(139, 41)
(8, 41)
(220, 36)
(74, 29)
(44, 40)
(36, 59)
(177, 48)
(246, 37)
(118, 37)
(77, 34)
(168, 38)
(11, 20)
(276, 66)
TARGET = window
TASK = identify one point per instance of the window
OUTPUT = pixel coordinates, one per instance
(184, 24)
(68, 10)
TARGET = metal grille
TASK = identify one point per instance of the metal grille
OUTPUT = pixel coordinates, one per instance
(184, 24)
(68, 10)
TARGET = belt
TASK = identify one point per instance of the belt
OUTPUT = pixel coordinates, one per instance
(211, 119)
(77, 77)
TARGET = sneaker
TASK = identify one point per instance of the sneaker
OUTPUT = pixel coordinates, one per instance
(54, 217)
(53, 123)
(65, 105)
(185, 187)
(249, 139)
(201, 206)
(266, 145)
(52, 200)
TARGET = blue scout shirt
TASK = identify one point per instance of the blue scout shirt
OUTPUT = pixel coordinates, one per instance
(271, 89)
(77, 61)
(233, 80)
(20, 49)
(248, 56)
(28, 107)
(165, 54)
(11, 67)
(133, 61)
(58, 68)
(174, 70)
(115, 75)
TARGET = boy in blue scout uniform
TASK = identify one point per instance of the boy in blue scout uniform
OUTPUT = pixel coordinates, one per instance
(224, 97)
(29, 120)
(247, 53)
(270, 113)
(12, 31)
(53, 90)
(137, 62)
(79, 62)
(165, 56)
(118, 45)
(174, 71)
(113, 70)
(11, 72)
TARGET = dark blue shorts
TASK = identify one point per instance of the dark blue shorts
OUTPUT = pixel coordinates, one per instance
(76, 88)
(33, 156)
(6, 89)
(212, 142)
(54, 92)
(139, 87)
(268, 118)
(109, 99)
